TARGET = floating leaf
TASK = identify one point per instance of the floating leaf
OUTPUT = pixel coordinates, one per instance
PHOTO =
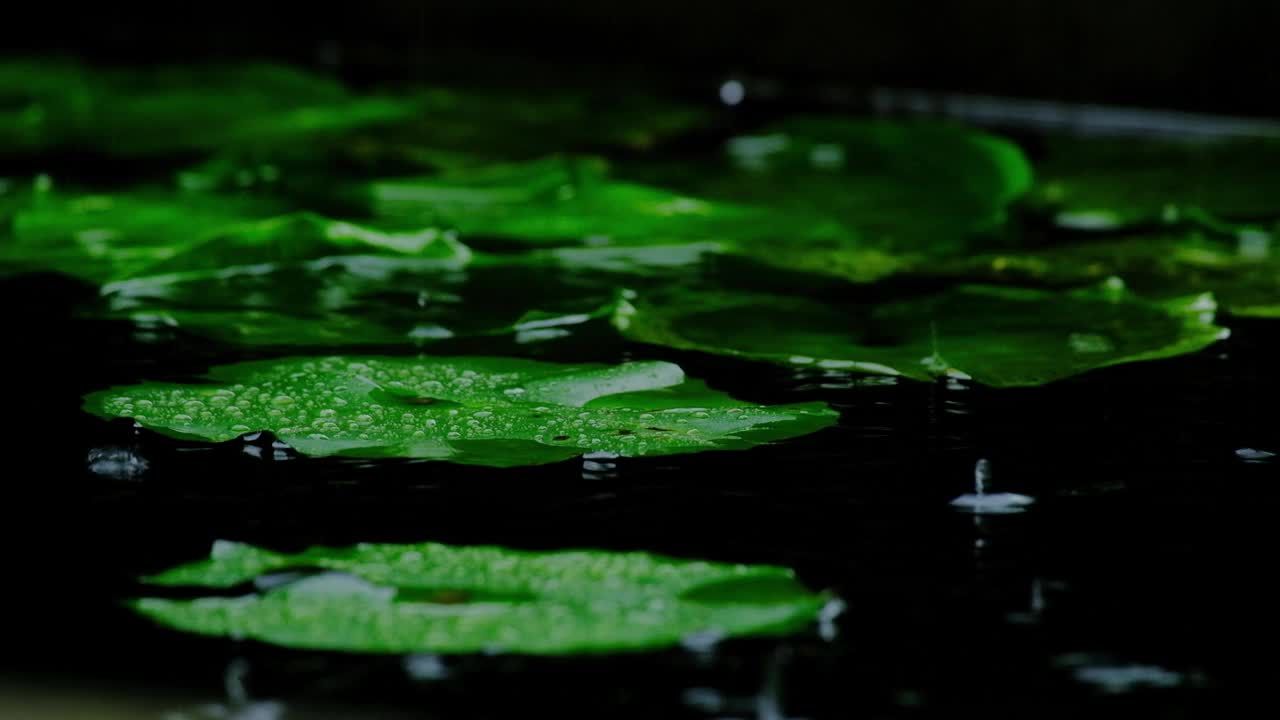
(569, 206)
(996, 336)
(443, 599)
(489, 411)
(112, 237)
(1244, 274)
(168, 110)
(902, 188)
(562, 200)
(1103, 184)
(356, 300)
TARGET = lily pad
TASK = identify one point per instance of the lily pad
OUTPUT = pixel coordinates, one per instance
(556, 201)
(106, 237)
(356, 300)
(445, 599)
(488, 411)
(997, 336)
(170, 110)
(1242, 273)
(571, 206)
(1104, 184)
(901, 188)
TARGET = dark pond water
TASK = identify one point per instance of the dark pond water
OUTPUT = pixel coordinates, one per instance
(1137, 583)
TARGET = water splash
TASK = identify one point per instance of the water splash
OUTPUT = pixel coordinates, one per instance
(982, 502)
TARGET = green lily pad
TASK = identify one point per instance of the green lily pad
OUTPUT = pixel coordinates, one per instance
(488, 411)
(356, 300)
(167, 110)
(444, 599)
(901, 188)
(102, 238)
(997, 336)
(1243, 273)
(556, 201)
(571, 207)
(1104, 184)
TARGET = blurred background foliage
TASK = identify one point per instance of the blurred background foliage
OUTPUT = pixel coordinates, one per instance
(1187, 55)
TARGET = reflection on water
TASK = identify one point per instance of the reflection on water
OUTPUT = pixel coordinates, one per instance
(1114, 677)
(117, 463)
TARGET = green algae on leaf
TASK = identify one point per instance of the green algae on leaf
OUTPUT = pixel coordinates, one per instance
(1104, 184)
(487, 411)
(101, 238)
(449, 599)
(172, 110)
(997, 336)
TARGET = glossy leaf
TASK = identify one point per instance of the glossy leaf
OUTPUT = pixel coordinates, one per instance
(445, 599)
(996, 336)
(488, 411)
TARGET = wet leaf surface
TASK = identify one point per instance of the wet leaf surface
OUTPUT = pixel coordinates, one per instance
(445, 599)
(997, 336)
(490, 411)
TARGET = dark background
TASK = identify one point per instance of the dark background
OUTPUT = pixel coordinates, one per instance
(1209, 56)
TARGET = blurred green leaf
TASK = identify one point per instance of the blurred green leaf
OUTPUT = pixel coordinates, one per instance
(109, 237)
(1105, 184)
(1243, 272)
(51, 106)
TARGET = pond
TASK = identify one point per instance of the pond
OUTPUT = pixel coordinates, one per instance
(433, 402)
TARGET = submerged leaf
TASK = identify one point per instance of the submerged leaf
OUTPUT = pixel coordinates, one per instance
(1103, 184)
(997, 336)
(488, 411)
(446, 599)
